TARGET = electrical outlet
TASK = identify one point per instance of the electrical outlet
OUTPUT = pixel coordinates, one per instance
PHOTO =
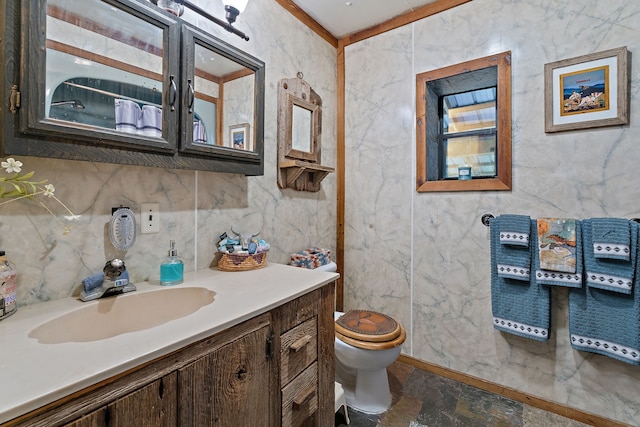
(149, 218)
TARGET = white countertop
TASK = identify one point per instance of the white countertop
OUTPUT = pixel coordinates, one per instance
(33, 374)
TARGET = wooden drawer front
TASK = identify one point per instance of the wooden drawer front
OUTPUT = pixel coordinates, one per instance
(300, 398)
(298, 349)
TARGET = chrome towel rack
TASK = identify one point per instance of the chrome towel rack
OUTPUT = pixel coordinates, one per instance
(486, 218)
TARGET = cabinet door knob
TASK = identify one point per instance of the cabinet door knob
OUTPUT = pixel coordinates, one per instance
(300, 343)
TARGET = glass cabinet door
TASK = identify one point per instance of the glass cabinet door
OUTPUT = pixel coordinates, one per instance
(220, 90)
(101, 71)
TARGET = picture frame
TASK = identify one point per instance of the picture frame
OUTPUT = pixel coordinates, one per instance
(587, 91)
(239, 137)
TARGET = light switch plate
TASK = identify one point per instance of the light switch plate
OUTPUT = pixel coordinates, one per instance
(149, 218)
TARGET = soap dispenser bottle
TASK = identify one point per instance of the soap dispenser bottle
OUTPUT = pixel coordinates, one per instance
(172, 268)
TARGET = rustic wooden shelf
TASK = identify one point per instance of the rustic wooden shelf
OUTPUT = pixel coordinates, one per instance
(302, 176)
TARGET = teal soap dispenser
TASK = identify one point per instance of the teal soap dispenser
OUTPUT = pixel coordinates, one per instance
(172, 268)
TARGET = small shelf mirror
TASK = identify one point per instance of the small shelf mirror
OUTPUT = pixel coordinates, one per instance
(299, 132)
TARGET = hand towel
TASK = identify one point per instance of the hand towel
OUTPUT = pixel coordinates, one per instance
(605, 322)
(512, 261)
(515, 230)
(518, 307)
(199, 132)
(609, 273)
(558, 250)
(557, 244)
(150, 123)
(93, 282)
(127, 115)
(611, 238)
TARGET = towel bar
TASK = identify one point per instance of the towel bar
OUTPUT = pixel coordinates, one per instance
(485, 218)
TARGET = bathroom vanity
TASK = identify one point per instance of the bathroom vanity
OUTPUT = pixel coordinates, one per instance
(247, 348)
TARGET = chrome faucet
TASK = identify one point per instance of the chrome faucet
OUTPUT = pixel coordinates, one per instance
(111, 283)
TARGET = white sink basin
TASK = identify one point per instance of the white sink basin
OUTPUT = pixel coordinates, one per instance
(132, 312)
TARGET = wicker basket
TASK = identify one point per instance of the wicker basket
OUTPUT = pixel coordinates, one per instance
(242, 262)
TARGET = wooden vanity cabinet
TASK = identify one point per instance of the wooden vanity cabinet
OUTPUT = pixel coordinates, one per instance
(153, 405)
(229, 386)
(274, 369)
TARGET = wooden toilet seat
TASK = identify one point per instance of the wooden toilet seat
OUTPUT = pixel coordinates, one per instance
(369, 330)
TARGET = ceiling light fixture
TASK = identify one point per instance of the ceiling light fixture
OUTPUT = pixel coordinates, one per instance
(233, 8)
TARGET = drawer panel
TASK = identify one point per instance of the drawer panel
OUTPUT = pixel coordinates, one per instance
(300, 398)
(298, 349)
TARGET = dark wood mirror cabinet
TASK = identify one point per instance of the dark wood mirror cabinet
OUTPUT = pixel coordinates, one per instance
(123, 81)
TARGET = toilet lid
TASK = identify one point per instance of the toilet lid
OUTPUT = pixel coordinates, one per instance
(365, 325)
(368, 345)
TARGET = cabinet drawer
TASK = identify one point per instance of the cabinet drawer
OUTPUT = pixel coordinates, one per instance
(300, 398)
(298, 349)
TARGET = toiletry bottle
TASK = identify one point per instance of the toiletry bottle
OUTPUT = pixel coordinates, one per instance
(8, 273)
(172, 268)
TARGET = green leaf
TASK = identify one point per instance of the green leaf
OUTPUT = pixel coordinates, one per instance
(25, 176)
(13, 193)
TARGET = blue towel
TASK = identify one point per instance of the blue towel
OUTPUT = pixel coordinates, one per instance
(560, 278)
(605, 322)
(512, 261)
(611, 238)
(609, 273)
(515, 230)
(519, 307)
(93, 282)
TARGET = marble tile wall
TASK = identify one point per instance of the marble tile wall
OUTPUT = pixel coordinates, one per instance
(195, 207)
(424, 258)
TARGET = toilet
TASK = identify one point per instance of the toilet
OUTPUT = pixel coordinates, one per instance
(366, 343)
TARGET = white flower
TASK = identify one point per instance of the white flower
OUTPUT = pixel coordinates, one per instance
(20, 186)
(12, 165)
(49, 189)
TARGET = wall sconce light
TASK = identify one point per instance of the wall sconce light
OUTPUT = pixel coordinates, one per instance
(233, 8)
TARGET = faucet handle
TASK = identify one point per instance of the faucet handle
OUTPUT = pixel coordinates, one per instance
(113, 269)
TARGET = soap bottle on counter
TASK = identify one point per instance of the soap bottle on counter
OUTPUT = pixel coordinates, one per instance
(172, 268)
(8, 302)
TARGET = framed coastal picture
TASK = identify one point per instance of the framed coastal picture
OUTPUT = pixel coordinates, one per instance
(239, 137)
(587, 91)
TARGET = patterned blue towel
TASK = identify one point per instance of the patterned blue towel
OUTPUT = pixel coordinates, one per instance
(560, 278)
(515, 230)
(609, 273)
(512, 260)
(611, 238)
(519, 307)
(606, 322)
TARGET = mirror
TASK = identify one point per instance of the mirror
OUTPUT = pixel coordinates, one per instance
(299, 132)
(104, 69)
(299, 120)
(221, 85)
(222, 110)
(301, 135)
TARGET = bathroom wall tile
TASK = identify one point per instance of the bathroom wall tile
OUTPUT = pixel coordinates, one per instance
(378, 189)
(289, 220)
(578, 174)
(195, 207)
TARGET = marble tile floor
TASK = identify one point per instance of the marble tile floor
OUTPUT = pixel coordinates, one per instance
(423, 399)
